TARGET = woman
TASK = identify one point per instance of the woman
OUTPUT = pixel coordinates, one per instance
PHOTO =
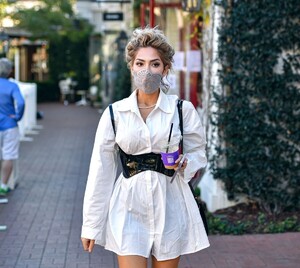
(143, 213)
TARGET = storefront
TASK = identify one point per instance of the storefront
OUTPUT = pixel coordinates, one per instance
(29, 56)
(183, 30)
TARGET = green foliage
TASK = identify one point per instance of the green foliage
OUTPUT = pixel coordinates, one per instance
(48, 19)
(137, 4)
(218, 224)
(3, 9)
(47, 91)
(3, 6)
(258, 118)
(282, 226)
(197, 191)
(69, 58)
(122, 86)
(68, 37)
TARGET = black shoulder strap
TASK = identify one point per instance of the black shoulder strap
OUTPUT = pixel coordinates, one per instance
(179, 107)
(112, 118)
(198, 199)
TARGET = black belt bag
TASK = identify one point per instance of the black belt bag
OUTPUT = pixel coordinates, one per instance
(134, 164)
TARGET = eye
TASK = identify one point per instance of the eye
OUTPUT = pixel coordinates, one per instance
(139, 63)
(156, 64)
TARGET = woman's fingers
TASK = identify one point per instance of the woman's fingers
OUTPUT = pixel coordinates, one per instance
(88, 244)
(184, 164)
(92, 243)
(178, 161)
(85, 243)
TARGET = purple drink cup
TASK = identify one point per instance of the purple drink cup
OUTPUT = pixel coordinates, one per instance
(170, 153)
(169, 159)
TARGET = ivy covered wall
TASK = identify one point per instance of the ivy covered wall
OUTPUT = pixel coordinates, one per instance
(258, 115)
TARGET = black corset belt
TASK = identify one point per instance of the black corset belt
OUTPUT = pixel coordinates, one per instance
(134, 164)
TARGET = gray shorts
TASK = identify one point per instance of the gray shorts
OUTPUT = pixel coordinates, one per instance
(9, 144)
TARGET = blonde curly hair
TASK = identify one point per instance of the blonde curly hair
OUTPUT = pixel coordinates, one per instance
(150, 37)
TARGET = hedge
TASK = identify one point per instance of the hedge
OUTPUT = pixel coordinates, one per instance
(258, 115)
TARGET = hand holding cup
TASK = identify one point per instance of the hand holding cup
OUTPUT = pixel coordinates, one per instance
(169, 154)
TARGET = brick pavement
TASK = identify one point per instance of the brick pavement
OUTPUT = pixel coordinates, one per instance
(44, 213)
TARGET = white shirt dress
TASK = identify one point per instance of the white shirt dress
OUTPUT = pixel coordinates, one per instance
(145, 214)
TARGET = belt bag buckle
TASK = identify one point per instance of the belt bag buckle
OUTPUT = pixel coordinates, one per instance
(132, 167)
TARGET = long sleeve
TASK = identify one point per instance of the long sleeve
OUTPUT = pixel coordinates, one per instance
(100, 183)
(194, 141)
(12, 104)
(19, 103)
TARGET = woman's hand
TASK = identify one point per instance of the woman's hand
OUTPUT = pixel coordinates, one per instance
(183, 165)
(88, 244)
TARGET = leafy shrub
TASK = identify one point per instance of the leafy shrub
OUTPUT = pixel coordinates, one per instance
(250, 219)
(258, 117)
(122, 86)
(47, 91)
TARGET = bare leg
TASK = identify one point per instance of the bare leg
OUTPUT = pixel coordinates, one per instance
(7, 167)
(165, 264)
(132, 261)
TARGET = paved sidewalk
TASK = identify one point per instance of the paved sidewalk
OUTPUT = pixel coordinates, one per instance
(43, 215)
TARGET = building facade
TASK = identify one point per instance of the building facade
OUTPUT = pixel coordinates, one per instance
(194, 70)
(29, 57)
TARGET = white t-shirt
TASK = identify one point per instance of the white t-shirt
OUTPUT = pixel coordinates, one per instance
(144, 214)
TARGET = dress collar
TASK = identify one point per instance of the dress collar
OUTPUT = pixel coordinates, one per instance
(130, 103)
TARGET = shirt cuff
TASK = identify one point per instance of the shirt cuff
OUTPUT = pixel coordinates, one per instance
(90, 233)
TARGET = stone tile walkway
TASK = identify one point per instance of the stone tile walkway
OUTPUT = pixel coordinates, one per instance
(43, 214)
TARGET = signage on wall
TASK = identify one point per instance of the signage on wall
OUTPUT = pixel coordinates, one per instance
(112, 1)
(113, 16)
(191, 5)
(193, 61)
(178, 64)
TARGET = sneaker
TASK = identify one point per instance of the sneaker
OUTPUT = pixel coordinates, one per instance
(4, 192)
(3, 200)
(3, 227)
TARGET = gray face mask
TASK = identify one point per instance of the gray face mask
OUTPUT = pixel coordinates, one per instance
(147, 81)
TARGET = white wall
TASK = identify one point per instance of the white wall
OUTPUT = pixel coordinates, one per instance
(28, 121)
(212, 191)
(27, 124)
(94, 13)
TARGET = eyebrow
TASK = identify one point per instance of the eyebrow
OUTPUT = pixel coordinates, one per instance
(150, 60)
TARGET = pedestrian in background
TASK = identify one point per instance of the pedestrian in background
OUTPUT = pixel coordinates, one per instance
(12, 107)
(143, 214)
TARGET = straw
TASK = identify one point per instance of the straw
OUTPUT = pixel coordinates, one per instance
(169, 138)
